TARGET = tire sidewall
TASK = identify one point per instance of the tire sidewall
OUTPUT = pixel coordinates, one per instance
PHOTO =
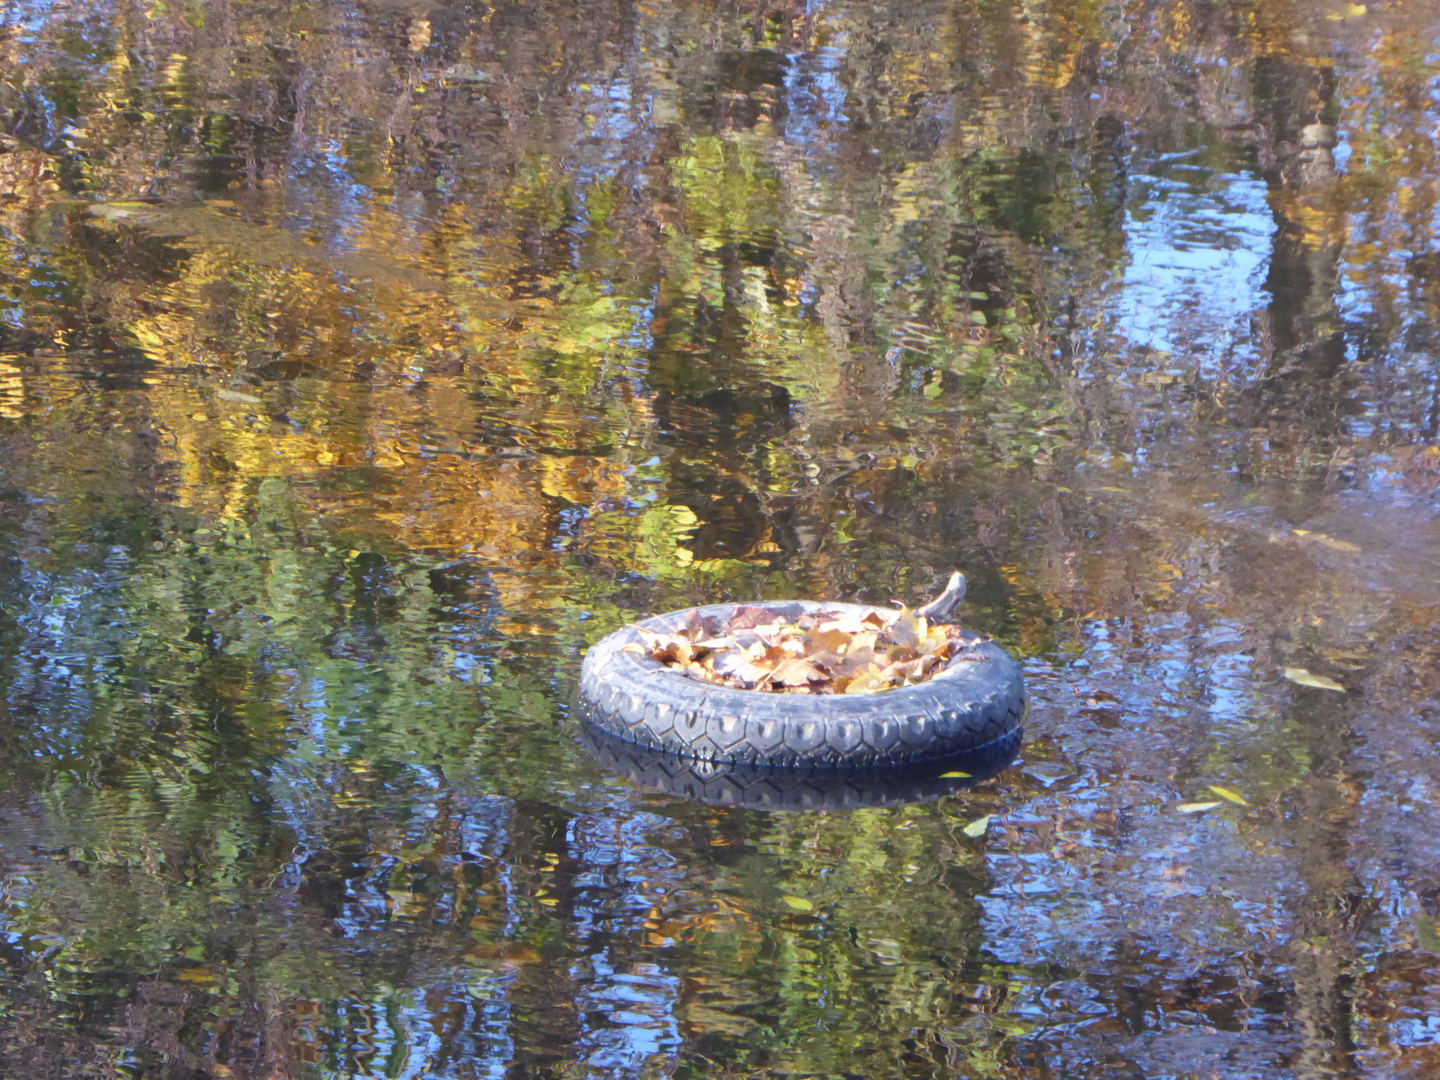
(976, 699)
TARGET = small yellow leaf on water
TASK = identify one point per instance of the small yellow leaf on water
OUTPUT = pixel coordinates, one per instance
(956, 775)
(1226, 793)
(978, 826)
(799, 903)
(1305, 678)
(1328, 541)
(1196, 807)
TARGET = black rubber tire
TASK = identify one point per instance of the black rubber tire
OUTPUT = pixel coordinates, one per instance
(767, 787)
(977, 699)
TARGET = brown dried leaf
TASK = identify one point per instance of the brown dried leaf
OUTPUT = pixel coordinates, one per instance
(695, 626)
(903, 671)
(935, 640)
(857, 660)
(865, 639)
(775, 655)
(830, 638)
(671, 648)
(797, 671)
(755, 651)
(906, 630)
(867, 682)
(817, 654)
(746, 618)
(747, 669)
(846, 624)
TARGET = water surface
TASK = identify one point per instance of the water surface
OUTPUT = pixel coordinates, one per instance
(363, 363)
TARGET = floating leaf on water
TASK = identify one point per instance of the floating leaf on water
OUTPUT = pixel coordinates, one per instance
(1306, 678)
(955, 775)
(799, 903)
(1197, 807)
(1426, 937)
(978, 826)
(1327, 541)
(237, 397)
(1228, 795)
(465, 73)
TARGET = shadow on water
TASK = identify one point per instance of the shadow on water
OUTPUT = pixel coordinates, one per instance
(757, 787)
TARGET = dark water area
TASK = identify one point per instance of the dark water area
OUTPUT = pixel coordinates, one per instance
(362, 363)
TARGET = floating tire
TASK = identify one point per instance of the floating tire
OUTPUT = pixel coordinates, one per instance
(766, 787)
(976, 700)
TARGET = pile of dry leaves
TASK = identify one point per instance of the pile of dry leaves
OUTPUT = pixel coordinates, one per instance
(824, 653)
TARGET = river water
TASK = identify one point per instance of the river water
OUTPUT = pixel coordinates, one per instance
(361, 363)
